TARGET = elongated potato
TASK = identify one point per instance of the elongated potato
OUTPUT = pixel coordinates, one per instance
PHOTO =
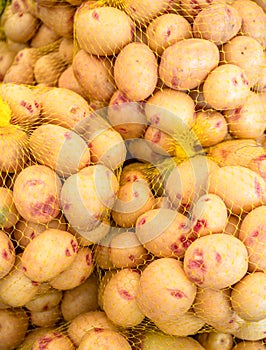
(252, 331)
(8, 256)
(21, 27)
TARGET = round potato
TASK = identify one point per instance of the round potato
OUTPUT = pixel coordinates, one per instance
(32, 336)
(141, 78)
(8, 212)
(44, 36)
(21, 27)
(232, 85)
(8, 256)
(208, 261)
(185, 64)
(47, 318)
(216, 341)
(19, 74)
(54, 248)
(53, 340)
(45, 299)
(217, 23)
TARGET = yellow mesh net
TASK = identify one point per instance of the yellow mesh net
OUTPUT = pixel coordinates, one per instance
(132, 175)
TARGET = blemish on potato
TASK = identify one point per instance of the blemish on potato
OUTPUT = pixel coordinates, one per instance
(5, 254)
(89, 259)
(257, 186)
(95, 15)
(44, 341)
(255, 233)
(218, 257)
(175, 248)
(155, 119)
(74, 246)
(67, 252)
(156, 137)
(201, 223)
(176, 293)
(142, 221)
(244, 79)
(131, 257)
(34, 182)
(35, 284)
(125, 294)
(67, 135)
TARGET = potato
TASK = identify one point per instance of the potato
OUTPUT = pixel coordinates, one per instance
(64, 107)
(159, 141)
(36, 194)
(68, 80)
(166, 30)
(15, 46)
(252, 234)
(54, 248)
(21, 27)
(251, 330)
(60, 149)
(185, 64)
(133, 199)
(19, 6)
(260, 86)
(7, 258)
(58, 18)
(210, 127)
(216, 341)
(253, 20)
(32, 336)
(126, 117)
(140, 149)
(191, 9)
(53, 340)
(199, 99)
(14, 325)
(141, 78)
(165, 292)
(218, 23)
(249, 345)
(87, 238)
(47, 318)
(81, 299)
(119, 299)
(95, 75)
(247, 53)
(247, 188)
(86, 195)
(103, 22)
(6, 60)
(234, 87)
(208, 261)
(19, 74)
(16, 289)
(44, 36)
(66, 50)
(45, 300)
(81, 268)
(87, 321)
(8, 212)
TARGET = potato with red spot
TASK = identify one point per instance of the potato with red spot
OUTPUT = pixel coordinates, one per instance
(8, 212)
(53, 340)
(164, 291)
(46, 318)
(21, 27)
(53, 248)
(249, 345)
(209, 259)
(36, 194)
(185, 64)
(232, 84)
(191, 8)
(45, 299)
(253, 234)
(159, 141)
(32, 336)
(7, 254)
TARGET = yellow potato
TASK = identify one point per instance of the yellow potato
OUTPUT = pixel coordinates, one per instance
(249, 345)
(185, 64)
(7, 58)
(105, 22)
(44, 36)
(226, 87)
(32, 336)
(7, 258)
(141, 78)
(8, 212)
(208, 261)
(53, 340)
(47, 318)
(216, 341)
(54, 248)
(159, 141)
(45, 299)
(21, 27)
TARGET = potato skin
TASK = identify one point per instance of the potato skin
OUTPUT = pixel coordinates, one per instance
(21, 27)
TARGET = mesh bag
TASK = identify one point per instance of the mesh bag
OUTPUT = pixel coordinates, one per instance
(132, 175)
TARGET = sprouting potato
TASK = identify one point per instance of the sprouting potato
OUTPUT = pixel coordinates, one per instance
(248, 297)
(8, 212)
(185, 64)
(226, 87)
(209, 260)
(44, 300)
(81, 299)
(253, 234)
(164, 291)
(159, 141)
(47, 318)
(21, 27)
(36, 194)
(87, 321)
(7, 257)
(141, 78)
(216, 341)
(53, 248)
(210, 127)
(249, 345)
(166, 30)
(209, 215)
(217, 23)
(119, 299)
(53, 340)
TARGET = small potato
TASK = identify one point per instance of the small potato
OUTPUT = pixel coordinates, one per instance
(44, 36)
(252, 234)
(13, 328)
(247, 189)
(133, 199)
(60, 149)
(68, 80)
(248, 297)
(8, 212)
(185, 64)
(87, 321)
(6, 60)
(103, 22)
(47, 318)
(247, 53)
(119, 299)
(166, 30)
(247, 121)
(126, 117)
(95, 75)
(164, 291)
(210, 127)
(53, 340)
(81, 299)
(44, 300)
(252, 331)
(54, 248)
(66, 50)
(218, 23)
(216, 341)
(21, 27)
(208, 261)
(141, 78)
(209, 215)
(51, 62)
(253, 20)
(160, 142)
(36, 194)
(249, 345)
(232, 85)
(32, 336)
(7, 257)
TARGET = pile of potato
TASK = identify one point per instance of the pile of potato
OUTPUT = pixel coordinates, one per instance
(133, 175)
